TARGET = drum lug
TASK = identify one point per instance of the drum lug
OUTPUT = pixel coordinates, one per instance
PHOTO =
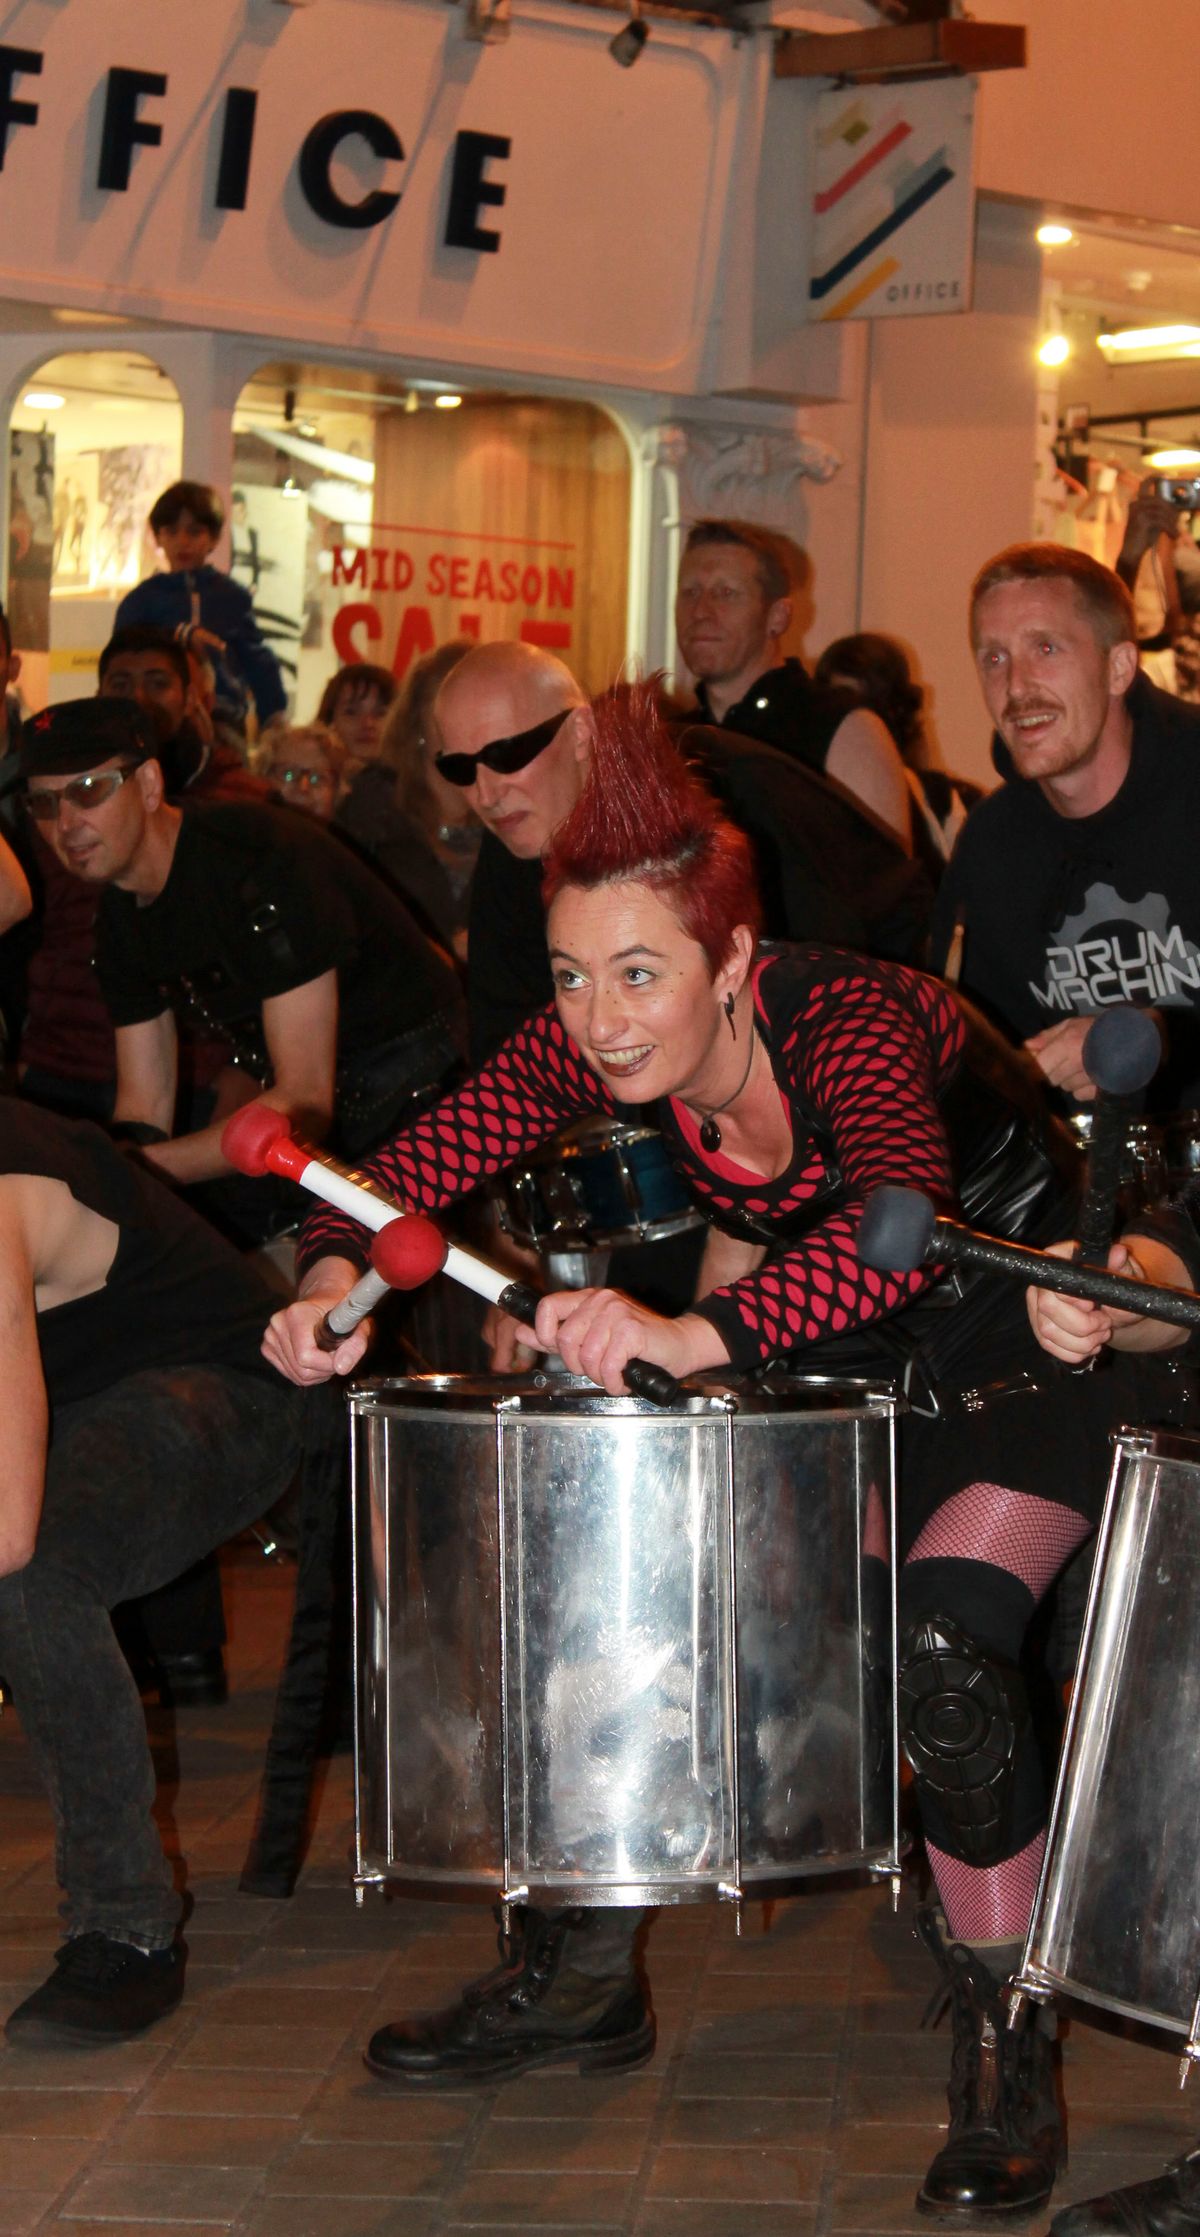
(1022, 1991)
(511, 1896)
(730, 1892)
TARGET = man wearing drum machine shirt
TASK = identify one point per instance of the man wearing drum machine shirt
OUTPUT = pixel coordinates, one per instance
(1076, 884)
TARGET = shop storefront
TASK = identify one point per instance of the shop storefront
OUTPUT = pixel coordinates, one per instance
(269, 245)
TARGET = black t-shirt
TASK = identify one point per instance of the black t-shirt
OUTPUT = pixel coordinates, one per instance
(784, 708)
(1063, 915)
(176, 1294)
(260, 900)
(825, 873)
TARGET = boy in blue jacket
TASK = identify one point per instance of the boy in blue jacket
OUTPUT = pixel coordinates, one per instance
(199, 604)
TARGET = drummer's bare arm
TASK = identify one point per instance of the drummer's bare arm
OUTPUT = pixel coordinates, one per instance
(1058, 1053)
(16, 900)
(726, 1258)
(1074, 1329)
(597, 1330)
(24, 1436)
(290, 1340)
(300, 1031)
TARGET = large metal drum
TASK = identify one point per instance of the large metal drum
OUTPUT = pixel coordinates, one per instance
(608, 1653)
(1117, 1916)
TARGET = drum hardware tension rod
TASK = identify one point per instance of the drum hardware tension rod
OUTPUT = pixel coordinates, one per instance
(258, 1139)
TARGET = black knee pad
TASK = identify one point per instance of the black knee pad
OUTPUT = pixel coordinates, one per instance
(963, 1714)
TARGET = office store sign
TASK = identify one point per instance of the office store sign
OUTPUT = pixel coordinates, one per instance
(131, 118)
(354, 174)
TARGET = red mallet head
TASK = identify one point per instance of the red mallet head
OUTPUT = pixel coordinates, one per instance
(408, 1251)
(250, 1136)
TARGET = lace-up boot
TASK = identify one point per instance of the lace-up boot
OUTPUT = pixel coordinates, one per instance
(1167, 2206)
(99, 1992)
(1006, 2139)
(535, 2009)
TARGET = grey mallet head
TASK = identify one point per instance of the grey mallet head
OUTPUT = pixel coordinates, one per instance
(896, 1229)
(1122, 1050)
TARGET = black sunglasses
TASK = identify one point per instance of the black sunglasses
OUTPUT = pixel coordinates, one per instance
(504, 755)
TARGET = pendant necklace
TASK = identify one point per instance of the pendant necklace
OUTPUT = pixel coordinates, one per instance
(710, 1132)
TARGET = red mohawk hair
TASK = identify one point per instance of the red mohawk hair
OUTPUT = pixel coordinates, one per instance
(644, 817)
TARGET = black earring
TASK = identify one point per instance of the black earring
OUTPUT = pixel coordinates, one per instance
(729, 1014)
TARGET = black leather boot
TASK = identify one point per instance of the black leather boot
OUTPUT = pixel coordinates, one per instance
(1167, 2206)
(535, 2009)
(1006, 2137)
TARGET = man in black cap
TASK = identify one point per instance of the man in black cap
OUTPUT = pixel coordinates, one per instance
(140, 1429)
(248, 921)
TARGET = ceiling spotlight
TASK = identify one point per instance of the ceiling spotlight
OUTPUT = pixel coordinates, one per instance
(1055, 350)
(1054, 236)
(630, 40)
(43, 400)
(447, 401)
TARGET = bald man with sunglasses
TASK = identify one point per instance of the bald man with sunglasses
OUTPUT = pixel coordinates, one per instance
(515, 731)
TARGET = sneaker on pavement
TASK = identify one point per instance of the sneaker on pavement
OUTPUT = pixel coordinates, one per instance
(100, 1991)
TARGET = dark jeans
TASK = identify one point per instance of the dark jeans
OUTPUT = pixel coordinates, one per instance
(141, 1481)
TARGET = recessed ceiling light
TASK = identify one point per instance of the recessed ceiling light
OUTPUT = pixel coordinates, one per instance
(447, 402)
(43, 400)
(1055, 236)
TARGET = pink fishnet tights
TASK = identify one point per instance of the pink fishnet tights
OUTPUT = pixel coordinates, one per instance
(1012, 1530)
(991, 1902)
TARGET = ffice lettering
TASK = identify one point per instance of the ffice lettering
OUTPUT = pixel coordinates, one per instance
(126, 126)
(16, 62)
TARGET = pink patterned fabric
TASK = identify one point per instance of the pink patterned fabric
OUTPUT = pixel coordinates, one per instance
(992, 1902)
(1012, 1530)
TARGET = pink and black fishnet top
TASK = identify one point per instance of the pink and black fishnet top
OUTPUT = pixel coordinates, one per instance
(861, 1052)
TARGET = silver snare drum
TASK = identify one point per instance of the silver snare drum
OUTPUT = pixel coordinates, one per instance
(602, 1183)
(611, 1654)
(1117, 1916)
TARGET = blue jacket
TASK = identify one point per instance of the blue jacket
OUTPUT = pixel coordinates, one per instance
(206, 596)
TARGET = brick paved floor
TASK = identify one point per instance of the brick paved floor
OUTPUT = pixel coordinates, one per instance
(791, 2093)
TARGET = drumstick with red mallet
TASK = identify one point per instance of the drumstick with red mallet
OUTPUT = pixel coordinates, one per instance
(408, 1249)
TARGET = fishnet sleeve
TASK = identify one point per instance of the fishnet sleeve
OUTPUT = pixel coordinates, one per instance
(536, 1083)
(868, 1061)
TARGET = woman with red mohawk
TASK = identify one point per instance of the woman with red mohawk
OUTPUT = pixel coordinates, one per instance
(791, 1081)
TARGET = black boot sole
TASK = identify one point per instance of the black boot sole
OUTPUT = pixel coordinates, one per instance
(623, 2052)
(58, 2035)
(976, 2216)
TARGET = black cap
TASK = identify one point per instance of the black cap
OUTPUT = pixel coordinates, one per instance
(79, 734)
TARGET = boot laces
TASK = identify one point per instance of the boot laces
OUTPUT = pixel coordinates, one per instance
(95, 1958)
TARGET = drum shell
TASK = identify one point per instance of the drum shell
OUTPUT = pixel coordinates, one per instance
(601, 1184)
(566, 1683)
(1116, 1922)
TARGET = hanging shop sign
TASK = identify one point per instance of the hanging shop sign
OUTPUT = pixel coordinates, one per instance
(892, 216)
